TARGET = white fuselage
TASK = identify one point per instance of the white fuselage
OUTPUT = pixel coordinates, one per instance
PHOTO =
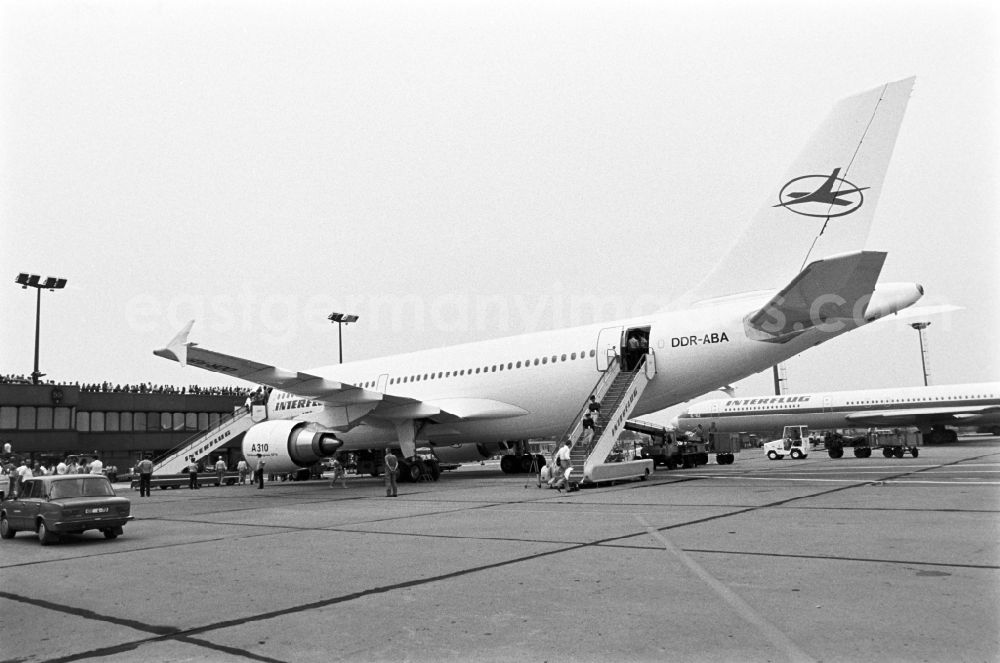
(550, 374)
(963, 404)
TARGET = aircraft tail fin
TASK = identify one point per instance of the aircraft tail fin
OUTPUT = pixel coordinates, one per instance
(825, 203)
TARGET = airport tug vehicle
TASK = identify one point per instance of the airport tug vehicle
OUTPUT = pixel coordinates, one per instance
(794, 442)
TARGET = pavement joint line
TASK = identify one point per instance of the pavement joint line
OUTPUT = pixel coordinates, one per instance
(753, 617)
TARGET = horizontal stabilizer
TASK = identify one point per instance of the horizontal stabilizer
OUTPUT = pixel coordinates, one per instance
(827, 295)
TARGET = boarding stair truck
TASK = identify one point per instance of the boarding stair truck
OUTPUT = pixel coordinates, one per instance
(794, 442)
(170, 469)
(894, 443)
(618, 391)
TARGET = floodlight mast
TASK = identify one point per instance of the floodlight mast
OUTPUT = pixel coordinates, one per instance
(51, 283)
(341, 319)
(920, 327)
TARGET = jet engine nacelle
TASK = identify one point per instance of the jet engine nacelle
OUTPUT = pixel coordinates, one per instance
(287, 446)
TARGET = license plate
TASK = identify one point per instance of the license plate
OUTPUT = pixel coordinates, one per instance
(102, 509)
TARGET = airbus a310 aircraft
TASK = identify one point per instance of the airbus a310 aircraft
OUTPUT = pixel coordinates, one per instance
(799, 276)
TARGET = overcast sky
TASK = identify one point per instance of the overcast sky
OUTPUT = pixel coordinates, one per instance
(456, 171)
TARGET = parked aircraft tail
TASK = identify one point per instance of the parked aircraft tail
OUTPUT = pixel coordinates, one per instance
(824, 204)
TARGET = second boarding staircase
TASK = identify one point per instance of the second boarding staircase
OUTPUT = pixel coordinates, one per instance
(618, 392)
(204, 443)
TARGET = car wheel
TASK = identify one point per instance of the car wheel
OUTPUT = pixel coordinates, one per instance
(45, 536)
(110, 534)
(6, 531)
(914, 452)
(796, 454)
(772, 455)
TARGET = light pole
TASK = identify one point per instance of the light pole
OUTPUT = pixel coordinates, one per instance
(341, 319)
(35, 281)
(920, 327)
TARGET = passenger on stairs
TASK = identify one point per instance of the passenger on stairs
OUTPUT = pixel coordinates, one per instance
(631, 352)
(587, 434)
(594, 408)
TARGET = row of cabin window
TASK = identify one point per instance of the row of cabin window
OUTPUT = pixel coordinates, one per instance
(920, 400)
(486, 369)
(30, 417)
(877, 402)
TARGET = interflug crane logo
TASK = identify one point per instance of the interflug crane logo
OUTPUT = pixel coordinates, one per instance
(824, 196)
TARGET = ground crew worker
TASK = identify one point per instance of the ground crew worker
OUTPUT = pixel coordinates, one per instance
(338, 473)
(391, 465)
(193, 474)
(260, 471)
(220, 470)
(145, 468)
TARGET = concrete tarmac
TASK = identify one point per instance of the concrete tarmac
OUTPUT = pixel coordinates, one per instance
(812, 560)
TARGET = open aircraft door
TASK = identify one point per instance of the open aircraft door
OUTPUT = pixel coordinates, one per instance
(608, 343)
(383, 382)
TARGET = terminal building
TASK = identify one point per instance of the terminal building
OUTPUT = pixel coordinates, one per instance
(47, 421)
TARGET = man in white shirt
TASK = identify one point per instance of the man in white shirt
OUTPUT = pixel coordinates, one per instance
(220, 470)
(62, 468)
(96, 467)
(23, 474)
(563, 460)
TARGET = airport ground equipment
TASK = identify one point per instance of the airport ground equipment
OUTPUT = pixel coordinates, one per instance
(521, 459)
(894, 443)
(725, 447)
(672, 449)
(794, 442)
(202, 444)
(181, 480)
(618, 391)
(662, 447)
(422, 467)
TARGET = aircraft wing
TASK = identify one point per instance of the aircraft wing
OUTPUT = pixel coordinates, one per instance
(831, 291)
(332, 392)
(923, 416)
